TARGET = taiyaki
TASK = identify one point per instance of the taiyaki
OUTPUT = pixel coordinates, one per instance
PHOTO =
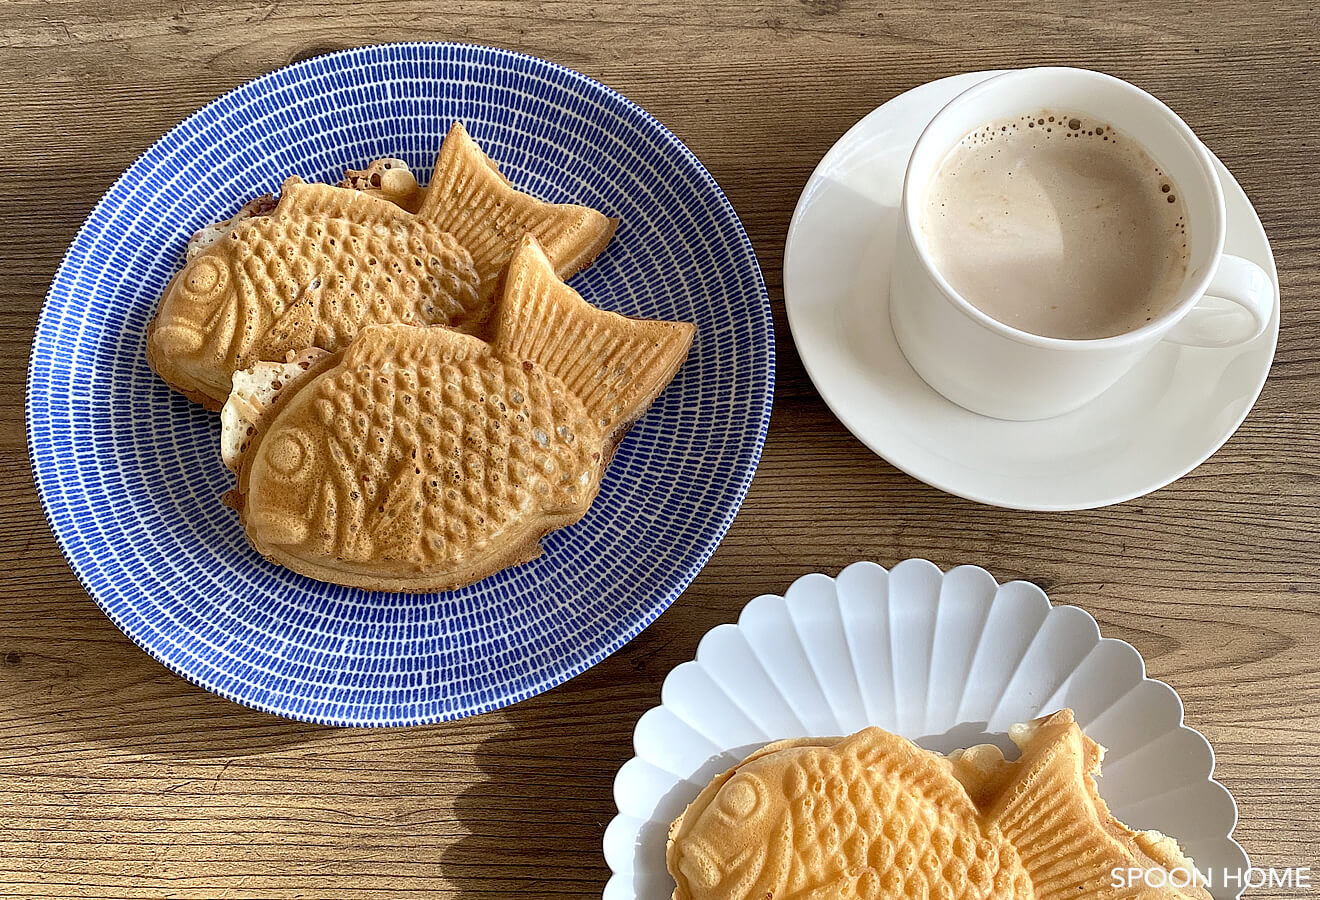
(870, 816)
(324, 262)
(422, 459)
(800, 819)
(311, 273)
(1048, 805)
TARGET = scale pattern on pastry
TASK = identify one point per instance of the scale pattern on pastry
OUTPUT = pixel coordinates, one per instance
(327, 261)
(875, 816)
(870, 816)
(422, 459)
(324, 264)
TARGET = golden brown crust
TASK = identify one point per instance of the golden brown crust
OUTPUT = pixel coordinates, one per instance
(249, 296)
(591, 243)
(1046, 805)
(423, 459)
(515, 554)
(838, 817)
(542, 319)
(324, 264)
(388, 567)
(165, 372)
(703, 799)
(469, 197)
(1051, 800)
(315, 370)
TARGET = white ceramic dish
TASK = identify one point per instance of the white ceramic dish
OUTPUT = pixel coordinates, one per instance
(1163, 419)
(948, 660)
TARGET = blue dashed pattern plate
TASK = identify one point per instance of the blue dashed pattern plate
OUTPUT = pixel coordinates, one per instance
(130, 474)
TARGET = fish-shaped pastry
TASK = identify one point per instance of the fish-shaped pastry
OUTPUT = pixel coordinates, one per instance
(1047, 804)
(326, 262)
(422, 459)
(869, 816)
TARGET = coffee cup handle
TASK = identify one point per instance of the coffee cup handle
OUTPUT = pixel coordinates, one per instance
(1236, 308)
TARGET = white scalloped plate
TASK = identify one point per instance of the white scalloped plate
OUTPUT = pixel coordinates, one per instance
(948, 660)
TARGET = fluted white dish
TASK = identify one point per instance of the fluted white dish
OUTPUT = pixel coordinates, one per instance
(947, 659)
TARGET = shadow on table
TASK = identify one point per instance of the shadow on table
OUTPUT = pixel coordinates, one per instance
(79, 680)
(533, 824)
(535, 821)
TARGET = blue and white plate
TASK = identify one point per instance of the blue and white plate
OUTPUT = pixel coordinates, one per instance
(130, 474)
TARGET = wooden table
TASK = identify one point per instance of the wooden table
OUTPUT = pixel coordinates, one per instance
(118, 779)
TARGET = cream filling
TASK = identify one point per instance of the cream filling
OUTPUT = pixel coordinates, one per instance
(254, 391)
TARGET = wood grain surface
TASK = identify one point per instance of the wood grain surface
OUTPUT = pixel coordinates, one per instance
(118, 779)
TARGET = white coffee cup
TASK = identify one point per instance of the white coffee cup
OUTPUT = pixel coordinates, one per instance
(997, 370)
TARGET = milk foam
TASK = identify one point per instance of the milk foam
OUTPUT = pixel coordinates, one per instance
(1057, 225)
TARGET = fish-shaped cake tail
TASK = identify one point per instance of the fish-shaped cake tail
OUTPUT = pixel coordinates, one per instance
(614, 364)
(468, 197)
(1070, 844)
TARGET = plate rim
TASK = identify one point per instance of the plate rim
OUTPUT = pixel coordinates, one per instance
(616, 822)
(987, 498)
(506, 698)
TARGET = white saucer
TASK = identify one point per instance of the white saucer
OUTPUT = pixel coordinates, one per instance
(1163, 419)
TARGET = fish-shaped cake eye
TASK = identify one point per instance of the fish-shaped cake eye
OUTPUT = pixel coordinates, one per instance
(741, 797)
(204, 278)
(195, 323)
(290, 453)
